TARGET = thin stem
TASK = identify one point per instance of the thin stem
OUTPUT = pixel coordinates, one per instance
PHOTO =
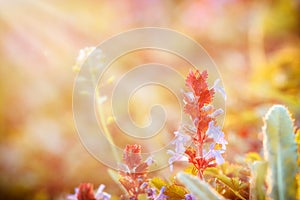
(200, 175)
(102, 121)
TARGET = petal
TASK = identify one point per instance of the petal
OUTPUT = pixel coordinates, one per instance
(99, 192)
(219, 89)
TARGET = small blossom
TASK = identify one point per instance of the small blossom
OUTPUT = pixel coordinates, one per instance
(219, 89)
(73, 196)
(149, 160)
(133, 172)
(178, 155)
(132, 155)
(216, 113)
(102, 195)
(175, 157)
(144, 185)
(216, 133)
(215, 153)
(190, 197)
(85, 192)
(83, 54)
(180, 141)
(161, 195)
(101, 99)
(151, 193)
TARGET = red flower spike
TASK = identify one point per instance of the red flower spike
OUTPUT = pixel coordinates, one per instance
(86, 192)
(197, 83)
(132, 155)
(195, 102)
(205, 134)
(135, 180)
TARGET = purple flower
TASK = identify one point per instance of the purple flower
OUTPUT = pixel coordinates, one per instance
(219, 89)
(151, 193)
(216, 134)
(216, 113)
(217, 154)
(73, 196)
(149, 160)
(180, 141)
(178, 155)
(161, 195)
(102, 195)
(190, 197)
(175, 157)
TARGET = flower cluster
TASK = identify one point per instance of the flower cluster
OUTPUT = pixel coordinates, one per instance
(208, 143)
(85, 191)
(134, 174)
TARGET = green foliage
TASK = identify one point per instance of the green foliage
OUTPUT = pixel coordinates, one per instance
(173, 191)
(257, 183)
(199, 188)
(252, 157)
(232, 181)
(158, 183)
(280, 151)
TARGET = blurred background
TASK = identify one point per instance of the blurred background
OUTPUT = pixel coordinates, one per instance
(255, 44)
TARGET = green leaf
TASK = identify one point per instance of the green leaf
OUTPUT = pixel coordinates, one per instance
(252, 157)
(257, 187)
(280, 150)
(158, 183)
(142, 197)
(175, 192)
(297, 137)
(199, 188)
(233, 184)
(191, 170)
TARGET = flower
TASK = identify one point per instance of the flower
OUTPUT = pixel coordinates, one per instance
(102, 195)
(132, 155)
(206, 136)
(215, 153)
(216, 134)
(219, 89)
(175, 156)
(190, 197)
(161, 195)
(178, 155)
(83, 55)
(133, 172)
(85, 191)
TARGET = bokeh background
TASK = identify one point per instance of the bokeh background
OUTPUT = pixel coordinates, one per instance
(255, 45)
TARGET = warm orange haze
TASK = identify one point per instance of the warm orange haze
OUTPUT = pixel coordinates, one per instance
(255, 46)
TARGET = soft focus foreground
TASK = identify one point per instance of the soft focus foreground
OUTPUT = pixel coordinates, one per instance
(255, 45)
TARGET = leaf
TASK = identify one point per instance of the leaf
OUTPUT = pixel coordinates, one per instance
(191, 170)
(175, 192)
(158, 183)
(251, 157)
(257, 186)
(297, 137)
(199, 188)
(142, 197)
(233, 184)
(280, 151)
